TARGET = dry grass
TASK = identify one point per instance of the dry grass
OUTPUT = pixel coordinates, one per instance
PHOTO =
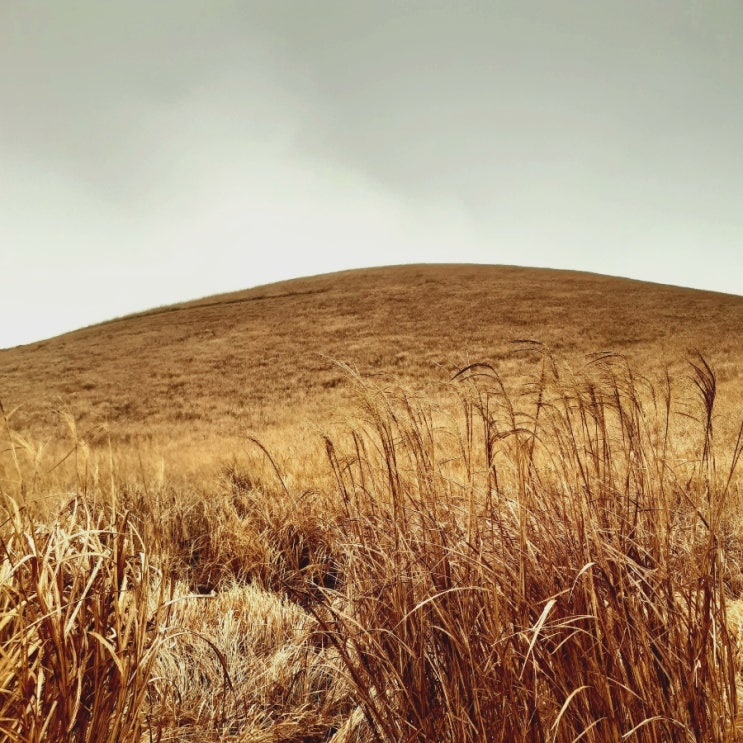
(552, 563)
(84, 615)
(244, 670)
(564, 580)
(529, 550)
(261, 360)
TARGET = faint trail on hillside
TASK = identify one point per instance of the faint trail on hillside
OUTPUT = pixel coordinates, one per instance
(203, 305)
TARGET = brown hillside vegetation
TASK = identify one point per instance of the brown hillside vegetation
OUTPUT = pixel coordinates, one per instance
(264, 357)
(421, 503)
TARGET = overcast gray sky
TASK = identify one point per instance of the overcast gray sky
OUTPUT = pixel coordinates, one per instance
(156, 151)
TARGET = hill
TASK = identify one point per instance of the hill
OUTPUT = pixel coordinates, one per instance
(533, 552)
(264, 357)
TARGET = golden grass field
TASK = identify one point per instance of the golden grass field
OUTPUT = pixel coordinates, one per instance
(419, 503)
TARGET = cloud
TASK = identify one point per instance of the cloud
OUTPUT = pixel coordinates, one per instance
(196, 147)
(427, 98)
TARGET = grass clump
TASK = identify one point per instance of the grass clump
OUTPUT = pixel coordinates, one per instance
(83, 616)
(243, 668)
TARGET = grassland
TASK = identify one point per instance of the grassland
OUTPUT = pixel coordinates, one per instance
(220, 365)
(215, 531)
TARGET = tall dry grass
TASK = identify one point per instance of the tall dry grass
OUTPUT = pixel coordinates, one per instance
(562, 579)
(83, 615)
(541, 562)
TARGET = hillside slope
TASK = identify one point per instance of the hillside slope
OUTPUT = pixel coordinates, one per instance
(260, 357)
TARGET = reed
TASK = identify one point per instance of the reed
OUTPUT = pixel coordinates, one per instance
(563, 579)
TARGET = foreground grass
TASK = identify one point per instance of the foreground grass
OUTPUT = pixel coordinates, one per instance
(550, 562)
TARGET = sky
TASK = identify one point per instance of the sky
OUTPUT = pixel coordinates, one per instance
(154, 152)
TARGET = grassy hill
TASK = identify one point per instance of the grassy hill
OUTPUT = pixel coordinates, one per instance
(212, 531)
(263, 357)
